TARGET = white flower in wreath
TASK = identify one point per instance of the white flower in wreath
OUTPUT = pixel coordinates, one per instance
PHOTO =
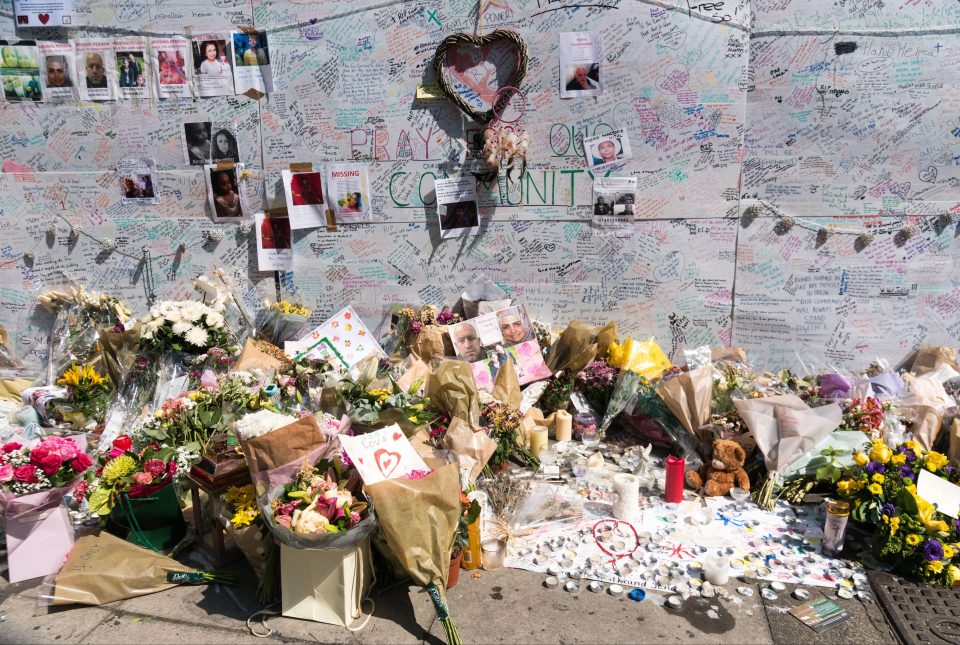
(197, 336)
(215, 319)
(192, 311)
(182, 327)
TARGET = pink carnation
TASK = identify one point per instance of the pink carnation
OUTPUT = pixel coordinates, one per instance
(155, 467)
(354, 518)
(6, 473)
(66, 449)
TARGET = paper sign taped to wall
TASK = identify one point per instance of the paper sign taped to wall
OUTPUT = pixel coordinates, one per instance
(381, 455)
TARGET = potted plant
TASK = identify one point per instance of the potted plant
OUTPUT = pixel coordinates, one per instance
(469, 512)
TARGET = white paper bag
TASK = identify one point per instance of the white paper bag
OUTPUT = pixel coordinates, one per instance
(325, 585)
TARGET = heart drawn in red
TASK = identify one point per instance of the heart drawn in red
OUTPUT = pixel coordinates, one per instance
(387, 461)
(43, 17)
(613, 525)
(396, 436)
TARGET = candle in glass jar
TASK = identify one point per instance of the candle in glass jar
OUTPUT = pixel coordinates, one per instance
(716, 570)
(584, 422)
(538, 440)
(563, 426)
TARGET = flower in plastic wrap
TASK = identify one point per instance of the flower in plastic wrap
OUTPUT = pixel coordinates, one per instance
(644, 357)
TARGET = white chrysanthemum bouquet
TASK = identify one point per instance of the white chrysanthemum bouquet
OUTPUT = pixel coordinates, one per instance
(186, 326)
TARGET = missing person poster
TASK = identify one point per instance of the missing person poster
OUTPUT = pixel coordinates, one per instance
(132, 67)
(170, 56)
(251, 69)
(457, 207)
(581, 64)
(614, 200)
(138, 184)
(304, 196)
(349, 192)
(20, 71)
(225, 192)
(57, 67)
(213, 64)
(207, 142)
(274, 243)
(95, 66)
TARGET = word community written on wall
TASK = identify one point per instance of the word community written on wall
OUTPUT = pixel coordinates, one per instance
(797, 163)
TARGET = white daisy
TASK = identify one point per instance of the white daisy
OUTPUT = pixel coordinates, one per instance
(181, 328)
(197, 336)
(214, 319)
(192, 311)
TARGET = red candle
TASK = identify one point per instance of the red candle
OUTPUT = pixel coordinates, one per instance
(674, 484)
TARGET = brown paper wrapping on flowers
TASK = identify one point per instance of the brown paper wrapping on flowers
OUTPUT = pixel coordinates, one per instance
(253, 542)
(506, 387)
(732, 354)
(118, 352)
(418, 518)
(286, 445)
(925, 421)
(573, 349)
(955, 442)
(471, 442)
(103, 568)
(929, 358)
(453, 390)
(432, 341)
(689, 396)
(253, 357)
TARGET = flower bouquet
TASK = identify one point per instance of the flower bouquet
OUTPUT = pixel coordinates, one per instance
(281, 321)
(371, 407)
(33, 483)
(245, 524)
(88, 394)
(908, 531)
(502, 422)
(596, 383)
(134, 490)
(424, 332)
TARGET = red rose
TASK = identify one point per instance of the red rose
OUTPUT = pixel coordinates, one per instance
(26, 474)
(51, 464)
(81, 463)
(13, 446)
(37, 455)
(123, 442)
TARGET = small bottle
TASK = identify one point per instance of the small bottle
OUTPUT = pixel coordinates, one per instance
(471, 552)
(835, 526)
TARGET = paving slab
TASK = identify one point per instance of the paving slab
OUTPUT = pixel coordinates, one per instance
(26, 622)
(126, 629)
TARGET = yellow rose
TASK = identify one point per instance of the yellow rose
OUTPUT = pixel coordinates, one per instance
(878, 478)
(880, 452)
(899, 459)
(860, 459)
(875, 489)
(894, 525)
(912, 488)
(935, 461)
(935, 567)
(913, 539)
(844, 486)
(914, 446)
(947, 551)
(858, 485)
(926, 512)
(938, 526)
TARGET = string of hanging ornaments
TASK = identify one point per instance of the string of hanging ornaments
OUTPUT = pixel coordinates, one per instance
(863, 238)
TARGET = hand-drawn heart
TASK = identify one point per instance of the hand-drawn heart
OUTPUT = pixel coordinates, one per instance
(471, 71)
(43, 17)
(613, 525)
(387, 461)
(397, 435)
(929, 175)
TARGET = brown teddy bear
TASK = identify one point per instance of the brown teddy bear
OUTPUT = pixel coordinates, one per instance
(723, 473)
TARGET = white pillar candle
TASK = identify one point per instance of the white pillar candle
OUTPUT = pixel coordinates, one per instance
(538, 440)
(716, 569)
(563, 428)
(626, 501)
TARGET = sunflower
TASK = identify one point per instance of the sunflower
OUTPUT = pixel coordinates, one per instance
(913, 539)
(878, 478)
(935, 567)
(875, 489)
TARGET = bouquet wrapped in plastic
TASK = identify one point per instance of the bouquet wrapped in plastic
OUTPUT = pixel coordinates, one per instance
(281, 321)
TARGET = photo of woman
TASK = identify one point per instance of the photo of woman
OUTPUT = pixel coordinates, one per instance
(212, 66)
(225, 147)
(227, 203)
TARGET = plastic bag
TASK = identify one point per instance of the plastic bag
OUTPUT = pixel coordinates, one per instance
(641, 357)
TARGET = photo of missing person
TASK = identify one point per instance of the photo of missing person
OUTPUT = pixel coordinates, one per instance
(196, 138)
(96, 71)
(306, 189)
(20, 72)
(514, 327)
(275, 232)
(171, 67)
(607, 150)
(250, 49)
(210, 60)
(582, 77)
(351, 202)
(625, 204)
(466, 341)
(58, 72)
(224, 147)
(130, 69)
(226, 194)
(459, 215)
(138, 187)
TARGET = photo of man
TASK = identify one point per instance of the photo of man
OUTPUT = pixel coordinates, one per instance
(57, 75)
(608, 150)
(602, 206)
(466, 340)
(512, 326)
(582, 77)
(96, 72)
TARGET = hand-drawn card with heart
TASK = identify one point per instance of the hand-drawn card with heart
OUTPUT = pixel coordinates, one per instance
(349, 336)
(383, 454)
(471, 70)
(43, 13)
